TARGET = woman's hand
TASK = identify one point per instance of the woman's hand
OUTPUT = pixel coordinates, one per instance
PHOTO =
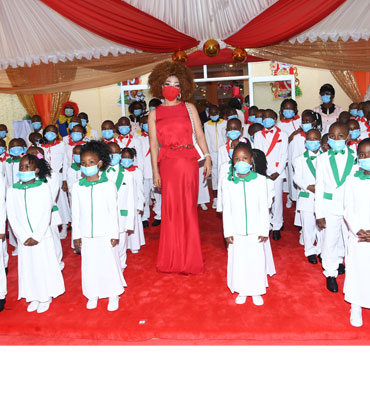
(156, 180)
(207, 167)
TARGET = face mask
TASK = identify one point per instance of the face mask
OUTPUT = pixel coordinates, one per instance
(306, 127)
(288, 114)
(170, 92)
(325, 98)
(252, 118)
(38, 142)
(259, 120)
(353, 112)
(2, 134)
(50, 136)
(76, 136)
(207, 110)
(364, 163)
(115, 158)
(16, 151)
(127, 162)
(2, 150)
(26, 176)
(232, 116)
(151, 108)
(268, 123)
(313, 145)
(138, 112)
(68, 112)
(233, 134)
(36, 125)
(145, 127)
(355, 133)
(90, 171)
(77, 158)
(242, 167)
(71, 125)
(360, 113)
(214, 118)
(231, 152)
(83, 122)
(252, 138)
(107, 133)
(337, 145)
(124, 129)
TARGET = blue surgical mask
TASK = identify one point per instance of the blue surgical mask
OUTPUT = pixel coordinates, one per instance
(325, 98)
(354, 112)
(90, 171)
(3, 134)
(232, 116)
(312, 145)
(77, 158)
(38, 142)
(231, 152)
(259, 120)
(138, 112)
(124, 129)
(251, 138)
(268, 123)
(214, 118)
(127, 162)
(360, 113)
(307, 127)
(71, 125)
(355, 133)
(145, 127)
(337, 145)
(242, 167)
(364, 163)
(233, 134)
(76, 136)
(26, 176)
(107, 133)
(115, 158)
(83, 122)
(36, 125)
(2, 150)
(16, 151)
(69, 112)
(288, 114)
(252, 118)
(50, 136)
(151, 108)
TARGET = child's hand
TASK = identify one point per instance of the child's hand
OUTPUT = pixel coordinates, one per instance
(77, 243)
(311, 188)
(114, 242)
(141, 212)
(30, 242)
(65, 186)
(363, 236)
(2, 236)
(156, 180)
(274, 176)
(229, 240)
(129, 232)
(321, 223)
(262, 239)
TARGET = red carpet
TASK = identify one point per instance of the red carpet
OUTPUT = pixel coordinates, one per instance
(179, 309)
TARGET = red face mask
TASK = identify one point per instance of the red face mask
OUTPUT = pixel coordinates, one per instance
(170, 92)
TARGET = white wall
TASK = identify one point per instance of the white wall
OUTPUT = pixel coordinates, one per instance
(10, 110)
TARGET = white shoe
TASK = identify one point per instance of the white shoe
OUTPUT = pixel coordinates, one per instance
(15, 252)
(203, 207)
(92, 304)
(134, 251)
(288, 203)
(257, 300)
(214, 203)
(301, 241)
(113, 303)
(33, 306)
(240, 299)
(63, 232)
(356, 316)
(43, 307)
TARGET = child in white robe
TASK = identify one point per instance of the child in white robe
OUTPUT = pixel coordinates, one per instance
(3, 288)
(246, 226)
(136, 239)
(29, 203)
(124, 182)
(3, 156)
(95, 228)
(357, 216)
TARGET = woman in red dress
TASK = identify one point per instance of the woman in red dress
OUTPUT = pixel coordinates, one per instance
(176, 169)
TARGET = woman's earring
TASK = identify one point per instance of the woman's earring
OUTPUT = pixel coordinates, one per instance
(179, 96)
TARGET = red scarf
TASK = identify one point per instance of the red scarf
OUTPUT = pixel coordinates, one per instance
(286, 121)
(132, 168)
(124, 137)
(4, 157)
(274, 139)
(113, 140)
(47, 146)
(72, 143)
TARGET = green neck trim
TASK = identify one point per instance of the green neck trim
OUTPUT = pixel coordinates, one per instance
(75, 166)
(11, 161)
(24, 186)
(361, 175)
(84, 182)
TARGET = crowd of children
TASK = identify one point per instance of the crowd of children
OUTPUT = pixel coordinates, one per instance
(104, 188)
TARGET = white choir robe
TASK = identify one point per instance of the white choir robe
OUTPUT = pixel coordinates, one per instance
(363, 127)
(276, 162)
(125, 185)
(73, 176)
(95, 222)
(134, 142)
(357, 215)
(329, 205)
(328, 119)
(303, 177)
(69, 145)
(203, 190)
(215, 133)
(29, 212)
(246, 217)
(3, 288)
(136, 239)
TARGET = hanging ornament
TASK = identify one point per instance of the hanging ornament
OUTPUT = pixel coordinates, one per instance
(211, 48)
(179, 56)
(239, 55)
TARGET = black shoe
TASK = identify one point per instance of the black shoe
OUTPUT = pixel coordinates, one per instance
(341, 269)
(276, 235)
(2, 304)
(156, 222)
(145, 224)
(331, 284)
(319, 257)
(312, 259)
(6, 271)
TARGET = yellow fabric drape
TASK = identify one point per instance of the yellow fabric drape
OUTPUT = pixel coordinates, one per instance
(347, 81)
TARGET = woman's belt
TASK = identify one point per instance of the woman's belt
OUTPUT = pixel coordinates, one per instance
(179, 147)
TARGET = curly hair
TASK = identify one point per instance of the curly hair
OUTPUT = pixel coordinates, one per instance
(41, 164)
(100, 149)
(163, 70)
(131, 151)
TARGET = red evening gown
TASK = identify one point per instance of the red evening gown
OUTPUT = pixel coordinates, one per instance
(179, 245)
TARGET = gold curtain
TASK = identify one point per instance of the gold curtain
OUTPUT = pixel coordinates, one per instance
(28, 103)
(347, 81)
(56, 104)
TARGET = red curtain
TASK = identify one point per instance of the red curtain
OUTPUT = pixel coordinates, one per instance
(281, 21)
(43, 106)
(363, 81)
(122, 23)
